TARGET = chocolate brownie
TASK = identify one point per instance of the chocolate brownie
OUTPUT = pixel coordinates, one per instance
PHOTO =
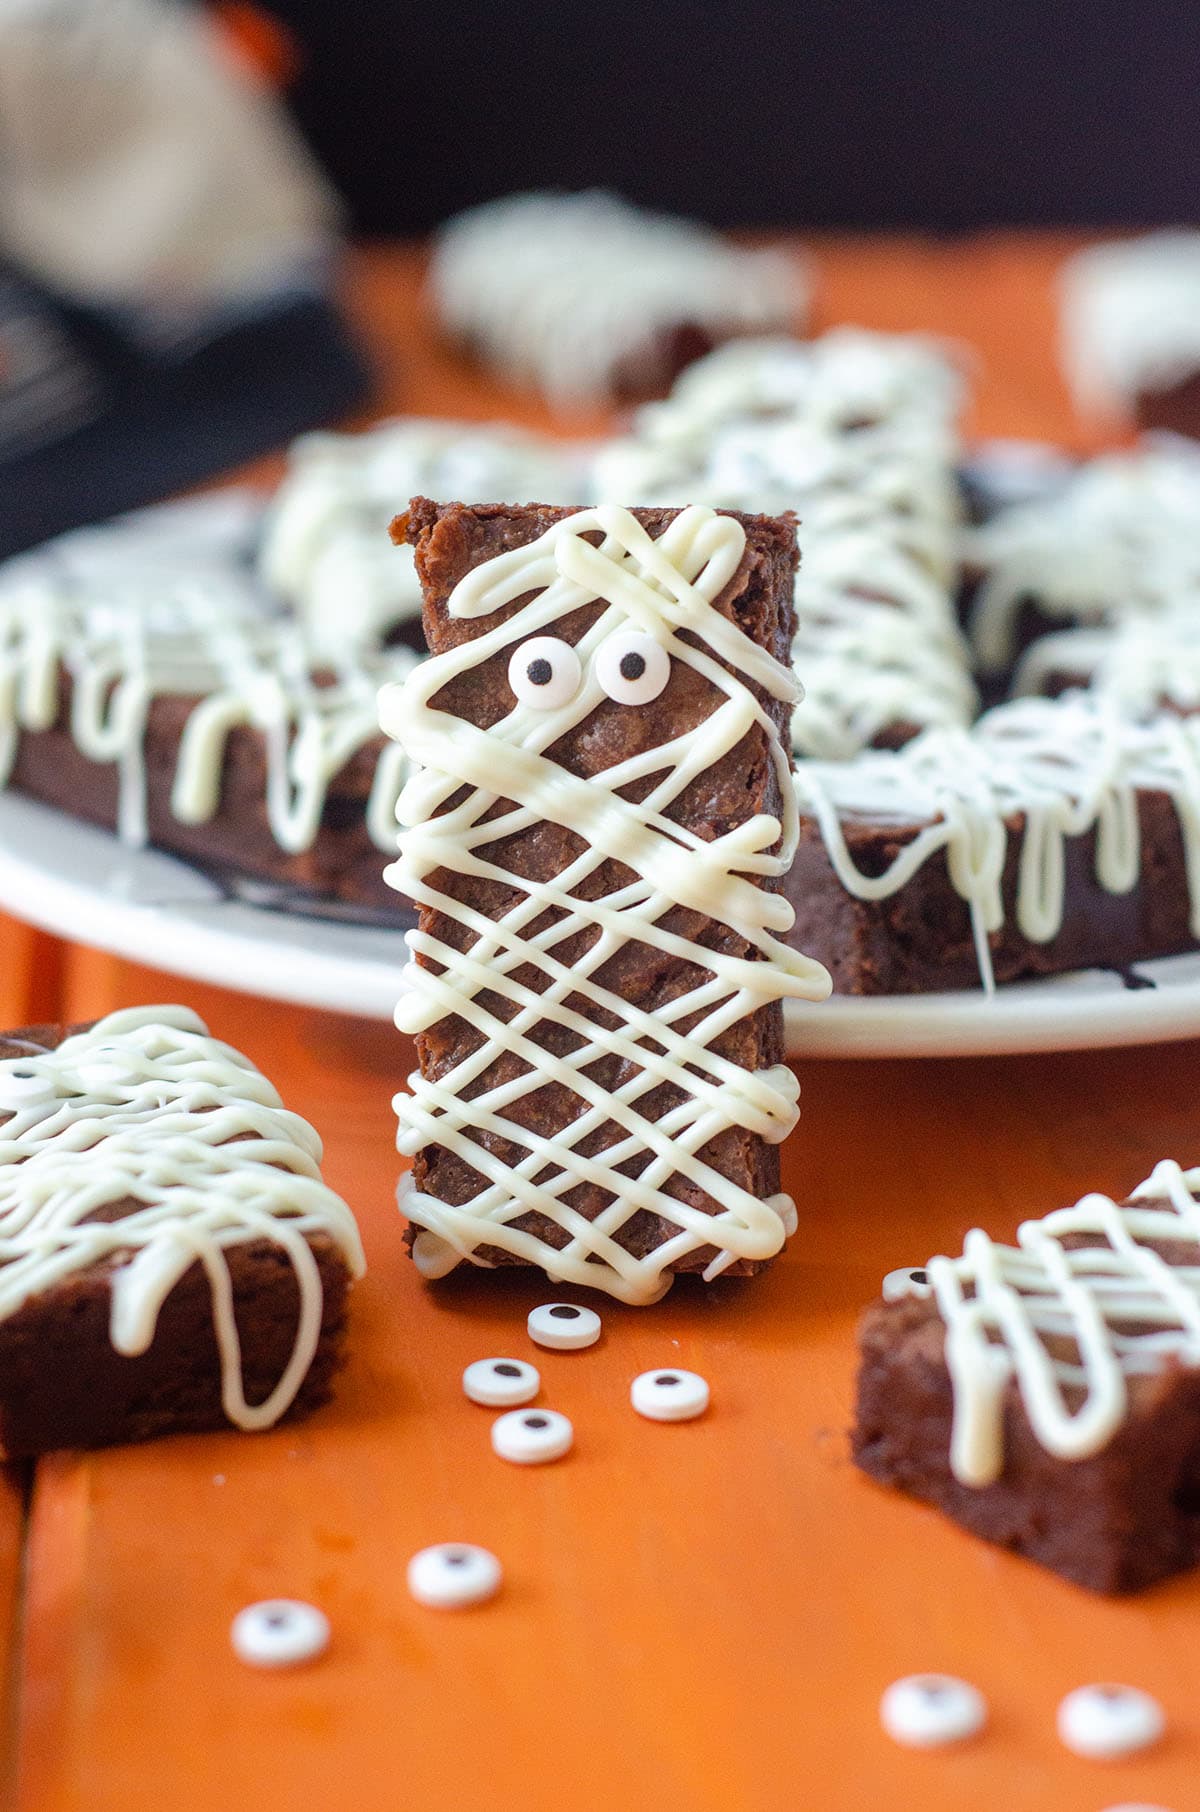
(639, 975)
(179, 713)
(1085, 1459)
(920, 939)
(342, 861)
(934, 867)
(117, 1250)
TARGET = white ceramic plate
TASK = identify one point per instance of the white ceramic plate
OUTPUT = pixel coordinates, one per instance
(80, 882)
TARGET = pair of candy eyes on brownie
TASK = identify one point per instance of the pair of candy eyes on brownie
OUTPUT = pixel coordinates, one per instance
(631, 668)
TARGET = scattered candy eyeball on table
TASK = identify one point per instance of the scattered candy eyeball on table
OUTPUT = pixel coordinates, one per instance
(1102, 1722)
(905, 1282)
(279, 1632)
(501, 1383)
(669, 1395)
(563, 1327)
(452, 1574)
(927, 1711)
(531, 1437)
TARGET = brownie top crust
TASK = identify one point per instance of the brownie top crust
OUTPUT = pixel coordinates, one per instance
(1092, 1306)
(136, 1147)
(596, 832)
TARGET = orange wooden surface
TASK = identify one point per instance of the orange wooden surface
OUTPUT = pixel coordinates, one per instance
(698, 1618)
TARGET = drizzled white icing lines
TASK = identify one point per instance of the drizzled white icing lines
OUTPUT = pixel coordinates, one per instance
(147, 1107)
(147, 633)
(663, 589)
(871, 473)
(1071, 1323)
(1062, 766)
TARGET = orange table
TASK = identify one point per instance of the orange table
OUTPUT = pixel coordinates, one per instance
(698, 1618)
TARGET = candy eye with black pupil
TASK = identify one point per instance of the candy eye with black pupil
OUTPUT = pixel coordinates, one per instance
(501, 1383)
(907, 1281)
(669, 1396)
(532, 1440)
(931, 1711)
(25, 1086)
(453, 1574)
(632, 667)
(545, 672)
(1103, 1722)
(279, 1632)
(563, 1326)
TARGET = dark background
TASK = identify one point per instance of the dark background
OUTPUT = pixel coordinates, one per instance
(942, 114)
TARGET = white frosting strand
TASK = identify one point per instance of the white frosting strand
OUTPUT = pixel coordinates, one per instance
(146, 1106)
(1119, 1307)
(1064, 766)
(149, 634)
(664, 589)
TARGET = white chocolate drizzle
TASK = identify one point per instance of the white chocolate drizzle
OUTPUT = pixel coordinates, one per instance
(147, 633)
(146, 1107)
(1063, 767)
(841, 432)
(1071, 1323)
(664, 589)
(573, 294)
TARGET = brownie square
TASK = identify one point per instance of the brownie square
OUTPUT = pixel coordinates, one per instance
(106, 1161)
(451, 541)
(1117, 1518)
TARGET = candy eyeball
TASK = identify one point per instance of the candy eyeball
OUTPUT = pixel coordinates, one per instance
(906, 1282)
(545, 672)
(563, 1327)
(532, 1437)
(1101, 1722)
(23, 1084)
(669, 1395)
(453, 1574)
(500, 1383)
(279, 1632)
(632, 667)
(927, 1711)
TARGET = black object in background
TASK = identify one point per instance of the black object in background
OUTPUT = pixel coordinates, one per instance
(100, 413)
(942, 114)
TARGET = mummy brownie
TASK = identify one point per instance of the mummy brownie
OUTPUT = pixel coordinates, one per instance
(1131, 330)
(170, 1260)
(589, 300)
(598, 971)
(1045, 1395)
(325, 548)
